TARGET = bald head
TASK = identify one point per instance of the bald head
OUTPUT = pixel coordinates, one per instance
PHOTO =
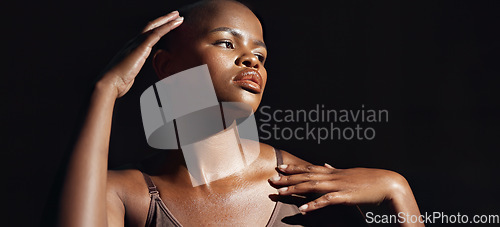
(198, 12)
(196, 16)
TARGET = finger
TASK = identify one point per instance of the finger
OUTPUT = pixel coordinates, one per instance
(141, 50)
(138, 51)
(300, 178)
(171, 18)
(331, 198)
(294, 169)
(329, 166)
(313, 186)
(161, 21)
(154, 35)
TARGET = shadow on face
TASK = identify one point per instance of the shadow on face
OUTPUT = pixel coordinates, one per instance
(228, 37)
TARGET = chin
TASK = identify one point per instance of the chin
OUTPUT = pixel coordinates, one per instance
(248, 98)
(232, 92)
(253, 102)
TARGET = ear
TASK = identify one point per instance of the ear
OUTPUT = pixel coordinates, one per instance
(161, 63)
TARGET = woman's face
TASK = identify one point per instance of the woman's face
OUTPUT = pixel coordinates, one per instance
(230, 42)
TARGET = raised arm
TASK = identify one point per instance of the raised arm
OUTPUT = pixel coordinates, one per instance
(84, 197)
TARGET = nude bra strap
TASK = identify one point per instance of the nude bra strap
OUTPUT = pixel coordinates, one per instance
(279, 157)
(151, 186)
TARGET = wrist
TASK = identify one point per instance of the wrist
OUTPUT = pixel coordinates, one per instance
(400, 197)
(106, 88)
(399, 190)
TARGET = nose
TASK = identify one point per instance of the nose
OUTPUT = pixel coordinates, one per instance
(248, 60)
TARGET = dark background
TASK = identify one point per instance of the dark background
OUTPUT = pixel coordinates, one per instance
(432, 64)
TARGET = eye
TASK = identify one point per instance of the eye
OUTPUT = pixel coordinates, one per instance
(261, 57)
(225, 43)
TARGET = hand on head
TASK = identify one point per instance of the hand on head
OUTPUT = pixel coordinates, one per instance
(121, 72)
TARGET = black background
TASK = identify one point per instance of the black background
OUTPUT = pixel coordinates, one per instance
(431, 64)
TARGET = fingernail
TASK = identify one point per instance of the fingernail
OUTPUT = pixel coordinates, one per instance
(284, 189)
(179, 19)
(303, 207)
(275, 178)
(329, 166)
(282, 166)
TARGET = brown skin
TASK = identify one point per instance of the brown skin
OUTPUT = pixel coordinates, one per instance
(89, 184)
(225, 53)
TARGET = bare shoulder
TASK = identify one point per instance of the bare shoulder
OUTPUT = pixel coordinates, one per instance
(292, 159)
(128, 188)
(126, 182)
(287, 157)
(126, 176)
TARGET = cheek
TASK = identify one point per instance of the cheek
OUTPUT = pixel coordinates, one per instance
(220, 65)
(218, 60)
(263, 73)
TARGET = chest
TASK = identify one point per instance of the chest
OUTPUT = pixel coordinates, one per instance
(241, 207)
(245, 206)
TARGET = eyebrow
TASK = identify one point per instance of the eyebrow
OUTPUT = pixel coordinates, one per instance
(238, 34)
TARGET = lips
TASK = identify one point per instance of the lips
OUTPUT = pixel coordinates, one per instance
(250, 80)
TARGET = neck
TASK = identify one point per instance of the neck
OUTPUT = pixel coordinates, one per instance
(211, 145)
(218, 156)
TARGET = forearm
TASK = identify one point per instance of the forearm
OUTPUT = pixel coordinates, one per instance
(83, 201)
